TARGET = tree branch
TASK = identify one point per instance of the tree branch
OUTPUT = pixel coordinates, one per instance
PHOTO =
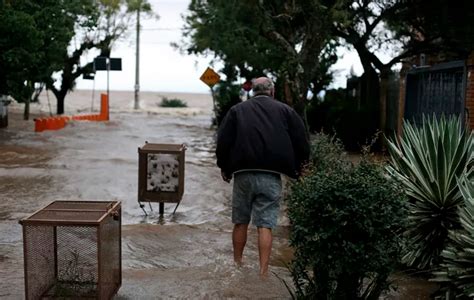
(424, 47)
(273, 35)
(384, 14)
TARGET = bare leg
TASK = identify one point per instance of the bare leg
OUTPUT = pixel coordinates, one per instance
(239, 239)
(264, 249)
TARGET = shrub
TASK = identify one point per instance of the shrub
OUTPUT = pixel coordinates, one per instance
(226, 96)
(346, 229)
(427, 161)
(174, 102)
(325, 151)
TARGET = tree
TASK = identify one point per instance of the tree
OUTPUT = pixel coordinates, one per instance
(284, 39)
(405, 29)
(93, 29)
(362, 24)
(19, 39)
(98, 26)
(56, 20)
(436, 26)
(36, 36)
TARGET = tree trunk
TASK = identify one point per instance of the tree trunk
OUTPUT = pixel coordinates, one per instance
(292, 97)
(26, 112)
(370, 97)
(287, 94)
(371, 106)
(298, 95)
(60, 98)
(384, 76)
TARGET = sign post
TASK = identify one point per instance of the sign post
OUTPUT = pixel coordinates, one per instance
(210, 77)
(102, 63)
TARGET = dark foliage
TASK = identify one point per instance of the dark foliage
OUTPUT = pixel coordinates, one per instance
(342, 115)
(226, 95)
(346, 227)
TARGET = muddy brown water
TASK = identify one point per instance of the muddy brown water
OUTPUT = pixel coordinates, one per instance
(187, 255)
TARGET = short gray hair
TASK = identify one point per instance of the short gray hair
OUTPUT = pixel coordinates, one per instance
(262, 87)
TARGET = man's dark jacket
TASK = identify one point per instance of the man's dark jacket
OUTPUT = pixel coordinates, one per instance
(262, 133)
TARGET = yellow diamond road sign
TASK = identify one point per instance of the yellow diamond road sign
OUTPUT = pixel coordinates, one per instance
(210, 77)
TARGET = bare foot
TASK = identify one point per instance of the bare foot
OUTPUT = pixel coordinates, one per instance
(238, 263)
(264, 275)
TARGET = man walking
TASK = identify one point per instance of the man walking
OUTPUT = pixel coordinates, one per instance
(258, 140)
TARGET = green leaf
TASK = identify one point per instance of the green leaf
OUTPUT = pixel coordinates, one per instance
(427, 160)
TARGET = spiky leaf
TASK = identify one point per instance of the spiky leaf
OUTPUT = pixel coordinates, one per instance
(458, 258)
(427, 160)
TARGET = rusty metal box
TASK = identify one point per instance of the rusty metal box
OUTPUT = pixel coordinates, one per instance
(161, 173)
(72, 249)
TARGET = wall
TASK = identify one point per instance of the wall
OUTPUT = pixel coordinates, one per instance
(470, 91)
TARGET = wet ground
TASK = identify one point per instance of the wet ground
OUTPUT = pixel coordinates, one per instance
(187, 255)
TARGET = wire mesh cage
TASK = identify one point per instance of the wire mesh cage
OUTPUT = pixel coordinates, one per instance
(72, 249)
(161, 173)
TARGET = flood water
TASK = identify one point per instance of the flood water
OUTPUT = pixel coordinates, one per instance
(183, 255)
(186, 255)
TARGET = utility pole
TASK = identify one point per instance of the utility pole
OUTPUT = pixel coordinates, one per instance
(137, 63)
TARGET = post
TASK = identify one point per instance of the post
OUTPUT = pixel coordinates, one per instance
(107, 60)
(384, 77)
(469, 92)
(104, 107)
(214, 103)
(161, 208)
(137, 63)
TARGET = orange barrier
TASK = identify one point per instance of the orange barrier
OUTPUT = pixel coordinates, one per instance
(61, 121)
(50, 124)
(104, 107)
(56, 123)
(40, 125)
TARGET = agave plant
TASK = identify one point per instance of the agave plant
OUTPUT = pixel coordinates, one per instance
(458, 258)
(427, 160)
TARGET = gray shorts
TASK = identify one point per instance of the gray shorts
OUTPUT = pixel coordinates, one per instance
(256, 194)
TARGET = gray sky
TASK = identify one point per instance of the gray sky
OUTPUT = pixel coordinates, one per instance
(162, 68)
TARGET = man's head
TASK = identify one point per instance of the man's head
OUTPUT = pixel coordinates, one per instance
(263, 86)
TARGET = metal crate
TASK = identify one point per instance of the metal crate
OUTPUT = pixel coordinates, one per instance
(161, 173)
(72, 249)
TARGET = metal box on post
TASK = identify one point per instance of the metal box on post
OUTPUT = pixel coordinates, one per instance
(72, 249)
(161, 173)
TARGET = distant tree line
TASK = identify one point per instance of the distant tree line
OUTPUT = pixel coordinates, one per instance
(43, 38)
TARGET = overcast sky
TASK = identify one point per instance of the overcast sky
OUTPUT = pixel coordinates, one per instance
(162, 68)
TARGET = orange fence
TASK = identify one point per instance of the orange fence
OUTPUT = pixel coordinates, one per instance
(56, 123)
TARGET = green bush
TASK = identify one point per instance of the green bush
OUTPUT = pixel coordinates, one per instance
(427, 161)
(346, 228)
(326, 150)
(226, 96)
(174, 102)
